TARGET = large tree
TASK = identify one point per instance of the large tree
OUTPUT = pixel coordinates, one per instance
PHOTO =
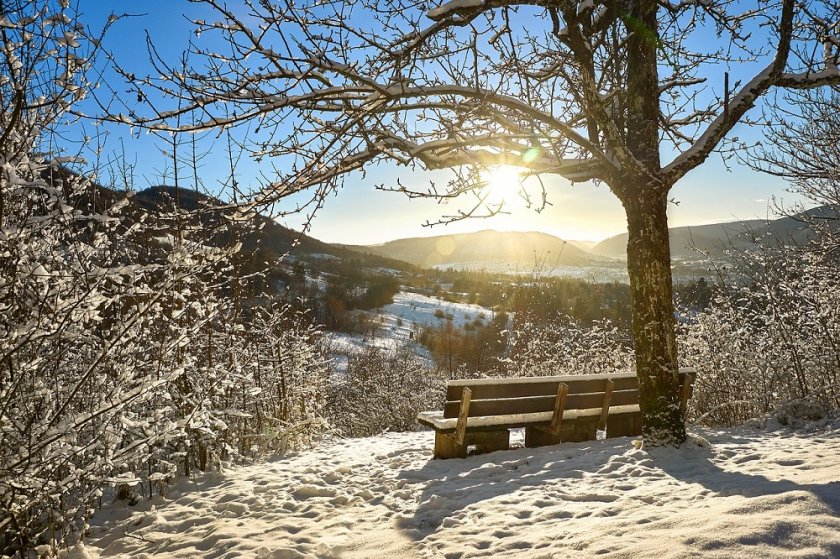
(590, 91)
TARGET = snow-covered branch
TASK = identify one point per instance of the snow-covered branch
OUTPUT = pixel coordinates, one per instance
(809, 80)
(740, 103)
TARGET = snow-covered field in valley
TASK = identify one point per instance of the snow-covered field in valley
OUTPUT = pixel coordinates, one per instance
(729, 493)
(420, 309)
(397, 323)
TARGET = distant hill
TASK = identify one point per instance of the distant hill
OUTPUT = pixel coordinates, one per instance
(583, 245)
(718, 237)
(513, 248)
(271, 239)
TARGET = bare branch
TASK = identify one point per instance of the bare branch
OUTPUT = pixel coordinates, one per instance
(740, 103)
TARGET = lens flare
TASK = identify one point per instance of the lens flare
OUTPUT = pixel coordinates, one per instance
(503, 186)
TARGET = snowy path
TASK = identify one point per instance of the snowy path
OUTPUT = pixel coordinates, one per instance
(749, 494)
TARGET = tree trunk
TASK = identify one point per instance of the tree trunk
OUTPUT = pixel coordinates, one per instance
(649, 267)
(645, 200)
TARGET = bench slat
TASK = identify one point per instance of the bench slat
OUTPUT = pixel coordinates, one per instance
(534, 404)
(522, 387)
(491, 389)
(436, 421)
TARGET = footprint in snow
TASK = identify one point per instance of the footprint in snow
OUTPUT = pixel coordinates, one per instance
(365, 494)
(403, 495)
(339, 501)
(309, 491)
(608, 512)
(791, 462)
(449, 522)
(332, 477)
(235, 508)
(556, 514)
(590, 498)
(542, 503)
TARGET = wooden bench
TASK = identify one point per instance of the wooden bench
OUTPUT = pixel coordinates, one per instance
(480, 412)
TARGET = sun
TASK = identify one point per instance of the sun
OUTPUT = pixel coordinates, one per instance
(503, 186)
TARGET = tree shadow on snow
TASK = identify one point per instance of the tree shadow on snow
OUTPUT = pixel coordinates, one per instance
(454, 484)
(697, 466)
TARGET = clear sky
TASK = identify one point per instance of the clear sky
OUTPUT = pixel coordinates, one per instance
(359, 214)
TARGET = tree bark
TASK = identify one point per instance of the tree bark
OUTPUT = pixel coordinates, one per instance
(644, 195)
(649, 268)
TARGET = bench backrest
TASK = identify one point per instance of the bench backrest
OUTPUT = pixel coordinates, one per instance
(537, 394)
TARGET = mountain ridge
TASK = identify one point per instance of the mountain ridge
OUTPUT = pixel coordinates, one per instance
(515, 247)
(713, 239)
(530, 248)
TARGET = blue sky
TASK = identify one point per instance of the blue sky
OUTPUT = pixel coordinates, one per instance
(361, 214)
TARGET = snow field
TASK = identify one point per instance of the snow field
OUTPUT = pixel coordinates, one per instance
(397, 322)
(737, 493)
(415, 308)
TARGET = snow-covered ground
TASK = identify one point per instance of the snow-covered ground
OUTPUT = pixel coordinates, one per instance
(415, 308)
(729, 494)
(606, 271)
(399, 322)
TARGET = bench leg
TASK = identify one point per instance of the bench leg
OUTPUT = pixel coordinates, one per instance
(484, 441)
(490, 441)
(446, 447)
(624, 425)
(570, 432)
(535, 436)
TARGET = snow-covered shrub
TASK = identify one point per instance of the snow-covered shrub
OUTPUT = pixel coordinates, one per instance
(382, 390)
(125, 355)
(65, 361)
(72, 363)
(98, 328)
(270, 377)
(565, 346)
(771, 343)
(124, 347)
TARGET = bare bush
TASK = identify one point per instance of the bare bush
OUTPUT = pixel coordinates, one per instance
(119, 327)
(381, 391)
(771, 344)
(566, 346)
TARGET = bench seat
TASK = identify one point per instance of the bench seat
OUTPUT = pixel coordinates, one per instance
(438, 422)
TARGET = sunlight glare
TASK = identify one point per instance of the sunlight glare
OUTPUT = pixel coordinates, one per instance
(503, 185)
